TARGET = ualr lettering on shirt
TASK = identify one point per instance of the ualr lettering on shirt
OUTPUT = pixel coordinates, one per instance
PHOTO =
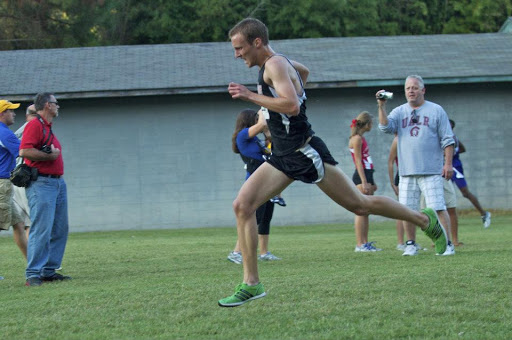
(408, 122)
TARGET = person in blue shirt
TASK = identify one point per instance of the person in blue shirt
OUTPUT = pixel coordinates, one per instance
(245, 142)
(10, 215)
(460, 181)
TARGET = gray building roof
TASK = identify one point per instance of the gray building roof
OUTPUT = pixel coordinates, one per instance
(114, 71)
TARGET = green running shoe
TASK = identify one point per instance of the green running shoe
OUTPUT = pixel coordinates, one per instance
(243, 293)
(435, 231)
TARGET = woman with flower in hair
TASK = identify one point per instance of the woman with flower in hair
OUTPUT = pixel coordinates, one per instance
(363, 175)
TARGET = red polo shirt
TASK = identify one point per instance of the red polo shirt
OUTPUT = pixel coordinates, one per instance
(33, 138)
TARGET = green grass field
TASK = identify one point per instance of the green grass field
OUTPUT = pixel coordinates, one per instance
(164, 284)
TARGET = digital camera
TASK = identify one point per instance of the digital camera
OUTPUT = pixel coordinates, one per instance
(385, 95)
(46, 149)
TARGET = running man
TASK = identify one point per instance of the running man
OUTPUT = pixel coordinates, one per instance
(297, 154)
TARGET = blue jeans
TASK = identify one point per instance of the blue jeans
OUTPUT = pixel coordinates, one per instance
(48, 202)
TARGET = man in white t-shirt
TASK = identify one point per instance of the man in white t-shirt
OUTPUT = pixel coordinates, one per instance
(425, 152)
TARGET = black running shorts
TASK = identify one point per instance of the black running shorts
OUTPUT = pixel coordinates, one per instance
(369, 177)
(305, 164)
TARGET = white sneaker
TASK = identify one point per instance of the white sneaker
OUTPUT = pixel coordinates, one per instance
(235, 257)
(371, 247)
(410, 249)
(450, 250)
(269, 257)
(486, 219)
(400, 247)
(362, 249)
(367, 248)
(418, 247)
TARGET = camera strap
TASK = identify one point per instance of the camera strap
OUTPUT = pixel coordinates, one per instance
(50, 135)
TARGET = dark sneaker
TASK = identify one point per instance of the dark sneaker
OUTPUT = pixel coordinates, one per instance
(56, 277)
(281, 202)
(435, 231)
(243, 293)
(278, 200)
(33, 281)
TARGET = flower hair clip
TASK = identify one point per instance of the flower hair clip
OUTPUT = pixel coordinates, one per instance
(354, 123)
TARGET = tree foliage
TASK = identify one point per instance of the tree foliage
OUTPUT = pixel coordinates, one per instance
(476, 16)
(72, 23)
(305, 19)
(46, 24)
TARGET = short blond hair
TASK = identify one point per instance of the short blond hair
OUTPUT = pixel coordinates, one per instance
(251, 29)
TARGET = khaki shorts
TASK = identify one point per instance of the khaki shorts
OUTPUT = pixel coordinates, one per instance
(450, 197)
(21, 202)
(9, 213)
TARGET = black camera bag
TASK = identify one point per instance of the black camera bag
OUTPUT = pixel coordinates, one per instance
(23, 175)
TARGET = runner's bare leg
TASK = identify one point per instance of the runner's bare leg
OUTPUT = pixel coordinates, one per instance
(343, 191)
(264, 183)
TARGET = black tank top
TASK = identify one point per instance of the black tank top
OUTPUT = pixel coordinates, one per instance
(289, 133)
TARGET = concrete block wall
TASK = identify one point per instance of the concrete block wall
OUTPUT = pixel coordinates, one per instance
(166, 161)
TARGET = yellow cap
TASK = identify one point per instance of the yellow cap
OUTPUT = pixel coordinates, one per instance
(7, 105)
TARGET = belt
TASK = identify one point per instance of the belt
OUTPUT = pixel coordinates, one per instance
(51, 176)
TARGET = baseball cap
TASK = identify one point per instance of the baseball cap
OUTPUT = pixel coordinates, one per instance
(7, 105)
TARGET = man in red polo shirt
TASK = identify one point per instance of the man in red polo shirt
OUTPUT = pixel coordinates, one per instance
(47, 196)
